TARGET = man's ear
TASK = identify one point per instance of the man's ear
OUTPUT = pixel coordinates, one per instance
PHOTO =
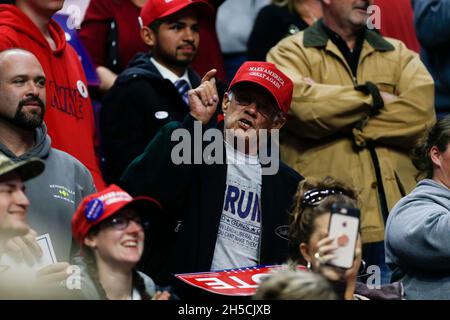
(279, 121)
(148, 36)
(226, 101)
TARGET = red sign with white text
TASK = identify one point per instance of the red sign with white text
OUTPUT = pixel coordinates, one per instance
(233, 282)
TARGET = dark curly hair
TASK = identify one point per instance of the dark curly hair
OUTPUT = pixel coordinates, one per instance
(303, 215)
(438, 136)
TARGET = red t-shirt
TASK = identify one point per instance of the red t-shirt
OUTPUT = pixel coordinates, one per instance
(397, 22)
(96, 26)
(209, 55)
(69, 115)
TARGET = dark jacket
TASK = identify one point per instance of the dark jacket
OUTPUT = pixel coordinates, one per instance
(129, 117)
(272, 24)
(193, 198)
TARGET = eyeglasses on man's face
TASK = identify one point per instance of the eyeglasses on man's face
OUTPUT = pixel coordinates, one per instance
(264, 105)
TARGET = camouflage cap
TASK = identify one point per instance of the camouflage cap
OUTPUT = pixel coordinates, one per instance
(26, 169)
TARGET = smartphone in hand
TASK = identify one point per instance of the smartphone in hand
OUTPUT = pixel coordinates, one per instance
(344, 228)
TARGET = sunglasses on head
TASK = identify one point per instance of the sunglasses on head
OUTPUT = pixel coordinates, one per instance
(314, 197)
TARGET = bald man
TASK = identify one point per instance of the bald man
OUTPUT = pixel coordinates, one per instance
(55, 194)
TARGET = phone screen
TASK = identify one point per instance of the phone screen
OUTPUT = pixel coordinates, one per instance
(344, 228)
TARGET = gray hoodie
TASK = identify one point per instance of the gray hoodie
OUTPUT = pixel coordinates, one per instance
(55, 194)
(418, 241)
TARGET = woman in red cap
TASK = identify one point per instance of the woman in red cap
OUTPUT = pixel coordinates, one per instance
(109, 227)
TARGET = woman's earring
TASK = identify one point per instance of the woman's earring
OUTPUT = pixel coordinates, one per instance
(308, 266)
(362, 268)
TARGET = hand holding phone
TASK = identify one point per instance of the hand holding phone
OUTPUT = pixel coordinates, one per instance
(344, 229)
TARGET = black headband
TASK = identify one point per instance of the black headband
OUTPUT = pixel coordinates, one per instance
(314, 197)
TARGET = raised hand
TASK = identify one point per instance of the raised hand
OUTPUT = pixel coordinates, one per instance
(324, 254)
(203, 100)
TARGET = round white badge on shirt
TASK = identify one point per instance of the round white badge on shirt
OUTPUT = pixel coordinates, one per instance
(82, 89)
(161, 115)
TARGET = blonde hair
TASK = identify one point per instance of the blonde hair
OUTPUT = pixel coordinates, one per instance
(290, 283)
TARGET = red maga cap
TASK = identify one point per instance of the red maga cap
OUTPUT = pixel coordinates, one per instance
(157, 9)
(270, 77)
(99, 206)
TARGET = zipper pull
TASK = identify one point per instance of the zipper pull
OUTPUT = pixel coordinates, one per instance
(177, 228)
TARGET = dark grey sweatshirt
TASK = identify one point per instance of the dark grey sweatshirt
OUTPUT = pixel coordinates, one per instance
(418, 241)
(55, 194)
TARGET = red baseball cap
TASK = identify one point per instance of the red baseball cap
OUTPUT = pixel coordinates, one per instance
(266, 74)
(99, 206)
(157, 9)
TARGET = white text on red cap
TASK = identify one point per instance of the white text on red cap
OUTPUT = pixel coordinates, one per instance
(268, 75)
(116, 196)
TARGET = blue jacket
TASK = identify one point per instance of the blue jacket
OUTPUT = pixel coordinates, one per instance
(431, 20)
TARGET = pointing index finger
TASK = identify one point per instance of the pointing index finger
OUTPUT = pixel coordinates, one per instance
(209, 75)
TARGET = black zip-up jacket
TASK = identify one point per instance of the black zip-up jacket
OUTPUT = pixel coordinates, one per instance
(183, 238)
(138, 105)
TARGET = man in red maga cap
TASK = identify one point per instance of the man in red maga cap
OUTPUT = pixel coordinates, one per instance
(224, 209)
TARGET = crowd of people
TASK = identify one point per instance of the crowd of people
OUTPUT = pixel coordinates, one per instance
(227, 133)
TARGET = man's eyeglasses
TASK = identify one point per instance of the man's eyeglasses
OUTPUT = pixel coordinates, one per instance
(122, 222)
(266, 108)
(314, 197)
